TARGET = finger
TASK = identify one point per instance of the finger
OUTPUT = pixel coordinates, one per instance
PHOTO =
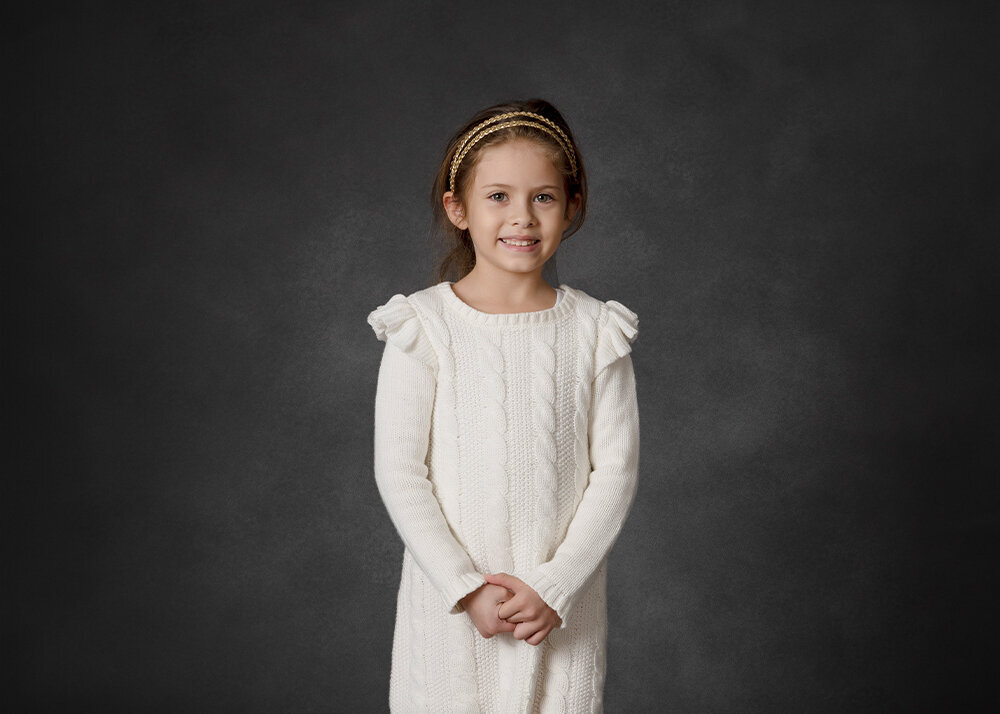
(536, 639)
(499, 624)
(506, 610)
(516, 617)
(512, 608)
(524, 630)
(508, 581)
(500, 591)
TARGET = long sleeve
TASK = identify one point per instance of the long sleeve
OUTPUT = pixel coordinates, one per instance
(403, 407)
(608, 497)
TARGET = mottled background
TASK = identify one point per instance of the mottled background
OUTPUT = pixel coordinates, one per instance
(205, 200)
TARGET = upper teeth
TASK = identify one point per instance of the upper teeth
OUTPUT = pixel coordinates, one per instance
(511, 241)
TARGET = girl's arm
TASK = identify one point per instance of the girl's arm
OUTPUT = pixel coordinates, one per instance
(614, 457)
(403, 404)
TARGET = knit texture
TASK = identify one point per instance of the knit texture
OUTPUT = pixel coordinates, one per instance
(503, 443)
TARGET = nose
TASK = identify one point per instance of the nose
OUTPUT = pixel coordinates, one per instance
(522, 213)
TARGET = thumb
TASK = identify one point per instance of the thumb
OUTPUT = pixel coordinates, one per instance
(503, 579)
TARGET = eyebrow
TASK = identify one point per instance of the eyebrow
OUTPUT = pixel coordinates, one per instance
(537, 188)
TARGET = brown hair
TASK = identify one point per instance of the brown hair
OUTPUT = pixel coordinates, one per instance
(459, 254)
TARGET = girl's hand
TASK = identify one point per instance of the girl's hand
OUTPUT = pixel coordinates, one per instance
(533, 618)
(482, 605)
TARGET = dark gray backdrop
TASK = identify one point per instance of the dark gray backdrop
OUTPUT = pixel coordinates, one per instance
(798, 199)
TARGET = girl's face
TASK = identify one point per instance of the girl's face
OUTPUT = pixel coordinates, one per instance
(515, 207)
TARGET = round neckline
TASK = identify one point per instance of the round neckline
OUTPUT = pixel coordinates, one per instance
(561, 308)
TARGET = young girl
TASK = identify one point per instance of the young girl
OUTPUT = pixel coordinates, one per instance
(506, 436)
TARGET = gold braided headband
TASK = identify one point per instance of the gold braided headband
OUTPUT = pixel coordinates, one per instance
(478, 132)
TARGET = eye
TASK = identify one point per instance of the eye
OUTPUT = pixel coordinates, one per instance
(498, 196)
(545, 198)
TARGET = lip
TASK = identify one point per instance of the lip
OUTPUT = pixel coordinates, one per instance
(519, 248)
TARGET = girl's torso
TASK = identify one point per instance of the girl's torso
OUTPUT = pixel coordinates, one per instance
(508, 450)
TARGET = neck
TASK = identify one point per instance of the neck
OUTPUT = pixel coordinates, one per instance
(506, 291)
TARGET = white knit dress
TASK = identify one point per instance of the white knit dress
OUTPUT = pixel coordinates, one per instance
(503, 443)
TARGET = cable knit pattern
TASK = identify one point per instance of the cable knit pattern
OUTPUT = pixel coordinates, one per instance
(503, 442)
(418, 665)
(544, 366)
(495, 445)
(556, 692)
(461, 631)
(585, 376)
(544, 369)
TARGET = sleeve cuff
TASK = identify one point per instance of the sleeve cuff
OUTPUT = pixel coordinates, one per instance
(463, 585)
(551, 593)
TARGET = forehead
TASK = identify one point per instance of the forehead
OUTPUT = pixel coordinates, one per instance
(518, 159)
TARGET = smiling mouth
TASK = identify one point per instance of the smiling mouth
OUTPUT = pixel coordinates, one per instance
(514, 241)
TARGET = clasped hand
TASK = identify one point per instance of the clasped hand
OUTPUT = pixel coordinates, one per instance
(507, 604)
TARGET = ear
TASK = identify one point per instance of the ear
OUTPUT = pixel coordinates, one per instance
(572, 206)
(455, 210)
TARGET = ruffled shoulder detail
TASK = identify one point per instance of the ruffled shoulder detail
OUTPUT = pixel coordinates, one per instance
(619, 328)
(397, 322)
